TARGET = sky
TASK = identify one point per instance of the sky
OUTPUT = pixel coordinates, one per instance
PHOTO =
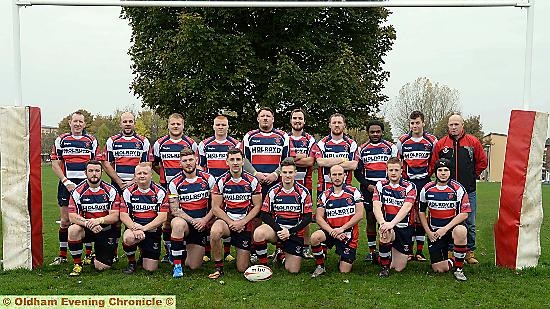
(76, 57)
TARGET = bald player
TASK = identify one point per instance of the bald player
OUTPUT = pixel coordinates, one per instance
(469, 158)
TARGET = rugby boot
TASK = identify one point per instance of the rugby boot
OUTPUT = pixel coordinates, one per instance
(253, 259)
(130, 269)
(217, 273)
(307, 253)
(89, 259)
(459, 275)
(178, 271)
(471, 258)
(229, 258)
(77, 270)
(205, 258)
(384, 272)
(420, 256)
(369, 258)
(318, 271)
(58, 261)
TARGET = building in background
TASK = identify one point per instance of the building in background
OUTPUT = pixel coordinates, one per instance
(495, 149)
(48, 129)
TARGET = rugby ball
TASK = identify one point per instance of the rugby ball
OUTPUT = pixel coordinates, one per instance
(256, 273)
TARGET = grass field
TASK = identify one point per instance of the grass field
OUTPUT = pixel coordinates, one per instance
(417, 286)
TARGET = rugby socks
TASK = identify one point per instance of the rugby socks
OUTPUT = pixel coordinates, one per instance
(325, 249)
(207, 248)
(226, 246)
(130, 251)
(371, 238)
(318, 254)
(75, 247)
(218, 264)
(450, 263)
(460, 254)
(385, 253)
(166, 236)
(420, 237)
(88, 246)
(118, 230)
(63, 239)
(179, 253)
(261, 251)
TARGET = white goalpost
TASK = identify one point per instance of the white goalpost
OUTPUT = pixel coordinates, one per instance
(523, 253)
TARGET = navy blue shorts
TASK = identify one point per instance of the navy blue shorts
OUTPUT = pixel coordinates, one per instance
(346, 253)
(63, 194)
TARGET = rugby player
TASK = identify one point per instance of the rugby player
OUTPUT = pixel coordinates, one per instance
(70, 153)
(301, 144)
(143, 209)
(166, 153)
(392, 200)
(339, 210)
(286, 212)
(416, 148)
(448, 206)
(236, 199)
(373, 156)
(190, 207)
(93, 212)
(123, 152)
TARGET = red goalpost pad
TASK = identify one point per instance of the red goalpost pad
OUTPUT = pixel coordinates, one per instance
(21, 187)
(517, 230)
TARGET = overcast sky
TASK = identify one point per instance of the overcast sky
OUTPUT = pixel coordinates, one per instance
(76, 57)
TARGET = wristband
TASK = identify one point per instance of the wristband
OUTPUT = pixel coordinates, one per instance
(101, 220)
(64, 180)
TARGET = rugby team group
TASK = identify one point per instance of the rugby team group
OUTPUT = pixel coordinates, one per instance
(223, 192)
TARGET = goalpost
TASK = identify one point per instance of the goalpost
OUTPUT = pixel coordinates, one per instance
(508, 208)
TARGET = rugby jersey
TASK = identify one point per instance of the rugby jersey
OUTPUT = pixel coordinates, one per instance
(265, 150)
(143, 206)
(193, 193)
(166, 152)
(373, 159)
(75, 152)
(93, 203)
(302, 144)
(288, 207)
(126, 152)
(416, 153)
(212, 154)
(392, 197)
(444, 203)
(329, 148)
(340, 208)
(237, 193)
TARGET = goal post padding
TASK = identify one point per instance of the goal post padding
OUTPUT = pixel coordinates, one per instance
(517, 230)
(21, 187)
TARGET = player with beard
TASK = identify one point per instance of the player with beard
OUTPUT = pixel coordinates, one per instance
(93, 211)
(392, 200)
(190, 207)
(166, 152)
(143, 209)
(373, 156)
(448, 205)
(339, 211)
(123, 152)
(70, 153)
(236, 200)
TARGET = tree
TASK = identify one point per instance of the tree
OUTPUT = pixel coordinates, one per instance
(361, 135)
(200, 62)
(47, 142)
(150, 124)
(436, 101)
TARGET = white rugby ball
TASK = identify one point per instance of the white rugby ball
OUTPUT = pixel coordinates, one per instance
(258, 273)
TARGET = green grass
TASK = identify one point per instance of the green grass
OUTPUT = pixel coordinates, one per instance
(487, 285)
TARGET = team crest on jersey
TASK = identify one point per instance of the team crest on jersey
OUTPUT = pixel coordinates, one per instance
(403, 193)
(138, 144)
(426, 147)
(446, 149)
(88, 144)
(203, 185)
(349, 200)
(277, 140)
(346, 148)
(385, 150)
(451, 196)
(247, 188)
(153, 199)
(105, 197)
(304, 144)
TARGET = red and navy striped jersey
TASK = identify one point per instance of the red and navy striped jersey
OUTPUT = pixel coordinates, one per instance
(167, 155)
(143, 206)
(265, 150)
(444, 203)
(392, 197)
(93, 203)
(329, 148)
(288, 207)
(416, 154)
(194, 193)
(373, 158)
(237, 193)
(212, 154)
(75, 152)
(340, 208)
(303, 144)
(126, 152)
